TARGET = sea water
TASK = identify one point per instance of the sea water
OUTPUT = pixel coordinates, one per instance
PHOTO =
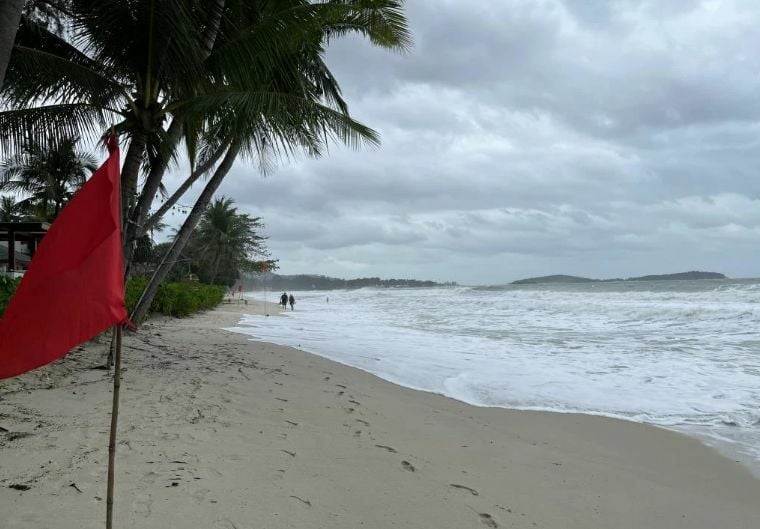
(680, 354)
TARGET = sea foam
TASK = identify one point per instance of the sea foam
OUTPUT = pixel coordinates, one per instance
(684, 354)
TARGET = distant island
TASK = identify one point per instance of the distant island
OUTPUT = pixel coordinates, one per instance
(681, 276)
(318, 282)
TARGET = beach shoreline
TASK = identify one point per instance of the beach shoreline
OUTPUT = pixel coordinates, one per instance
(221, 431)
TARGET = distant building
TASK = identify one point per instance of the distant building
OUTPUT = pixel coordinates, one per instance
(18, 242)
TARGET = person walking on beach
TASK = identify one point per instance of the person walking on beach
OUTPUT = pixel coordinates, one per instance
(292, 301)
(284, 300)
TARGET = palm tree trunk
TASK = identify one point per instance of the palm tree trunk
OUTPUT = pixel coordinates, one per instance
(129, 173)
(183, 235)
(194, 176)
(133, 230)
(209, 35)
(10, 16)
(217, 260)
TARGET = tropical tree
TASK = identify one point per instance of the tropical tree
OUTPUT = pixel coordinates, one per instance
(142, 67)
(9, 210)
(46, 177)
(230, 77)
(225, 243)
(298, 104)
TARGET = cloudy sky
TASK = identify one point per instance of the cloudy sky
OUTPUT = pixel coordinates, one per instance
(530, 137)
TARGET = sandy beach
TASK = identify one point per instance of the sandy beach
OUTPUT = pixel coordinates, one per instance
(219, 432)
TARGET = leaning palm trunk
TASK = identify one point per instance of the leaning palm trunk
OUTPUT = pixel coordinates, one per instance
(133, 231)
(10, 16)
(129, 173)
(199, 171)
(183, 235)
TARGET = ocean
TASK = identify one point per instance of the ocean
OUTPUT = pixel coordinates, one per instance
(678, 354)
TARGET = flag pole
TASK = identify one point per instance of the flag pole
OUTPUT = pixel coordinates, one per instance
(114, 423)
(112, 144)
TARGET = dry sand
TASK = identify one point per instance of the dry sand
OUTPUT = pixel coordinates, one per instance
(218, 432)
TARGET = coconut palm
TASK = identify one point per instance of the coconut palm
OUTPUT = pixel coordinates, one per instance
(9, 210)
(231, 77)
(133, 67)
(46, 178)
(225, 242)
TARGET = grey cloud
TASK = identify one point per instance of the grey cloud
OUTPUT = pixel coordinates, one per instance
(524, 137)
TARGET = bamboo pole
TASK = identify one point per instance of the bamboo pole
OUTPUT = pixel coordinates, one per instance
(114, 422)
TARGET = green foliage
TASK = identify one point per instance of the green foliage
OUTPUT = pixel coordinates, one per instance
(135, 287)
(224, 244)
(317, 282)
(173, 299)
(7, 288)
(179, 299)
(44, 177)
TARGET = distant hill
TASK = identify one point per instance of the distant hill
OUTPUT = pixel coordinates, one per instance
(553, 279)
(317, 282)
(681, 276)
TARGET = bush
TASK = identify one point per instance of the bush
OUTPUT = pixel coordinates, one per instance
(7, 288)
(176, 299)
(135, 287)
(173, 299)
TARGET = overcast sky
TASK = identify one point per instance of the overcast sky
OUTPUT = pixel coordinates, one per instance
(530, 137)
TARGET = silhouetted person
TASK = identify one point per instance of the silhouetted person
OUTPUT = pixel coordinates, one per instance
(292, 302)
(284, 300)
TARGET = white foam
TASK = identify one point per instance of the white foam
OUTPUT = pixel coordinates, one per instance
(683, 355)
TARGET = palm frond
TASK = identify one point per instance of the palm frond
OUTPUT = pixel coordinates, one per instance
(39, 75)
(48, 124)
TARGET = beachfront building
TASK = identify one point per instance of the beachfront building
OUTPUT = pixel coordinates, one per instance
(18, 241)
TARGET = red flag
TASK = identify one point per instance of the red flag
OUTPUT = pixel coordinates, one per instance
(74, 287)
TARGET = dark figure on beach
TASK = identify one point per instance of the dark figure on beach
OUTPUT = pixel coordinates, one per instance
(292, 301)
(284, 300)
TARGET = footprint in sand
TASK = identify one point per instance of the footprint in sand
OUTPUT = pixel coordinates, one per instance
(487, 520)
(463, 487)
(305, 502)
(142, 504)
(408, 466)
(224, 523)
(200, 494)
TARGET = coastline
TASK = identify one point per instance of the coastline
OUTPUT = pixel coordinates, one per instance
(220, 431)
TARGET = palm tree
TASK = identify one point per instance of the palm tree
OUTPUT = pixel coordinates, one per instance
(9, 210)
(46, 178)
(225, 242)
(231, 77)
(133, 67)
